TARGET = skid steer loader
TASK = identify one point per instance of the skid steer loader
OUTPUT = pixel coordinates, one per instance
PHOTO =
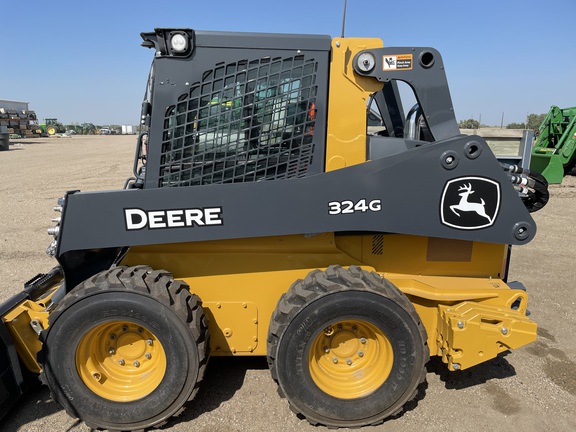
(263, 220)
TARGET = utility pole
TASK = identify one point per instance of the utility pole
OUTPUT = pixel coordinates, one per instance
(344, 17)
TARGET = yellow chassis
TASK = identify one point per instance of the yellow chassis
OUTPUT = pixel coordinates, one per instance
(470, 314)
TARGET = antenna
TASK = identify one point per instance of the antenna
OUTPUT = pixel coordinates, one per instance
(344, 17)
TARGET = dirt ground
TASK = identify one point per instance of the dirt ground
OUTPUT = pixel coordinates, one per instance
(531, 389)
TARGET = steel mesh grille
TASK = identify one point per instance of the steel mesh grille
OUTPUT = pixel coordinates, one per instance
(245, 121)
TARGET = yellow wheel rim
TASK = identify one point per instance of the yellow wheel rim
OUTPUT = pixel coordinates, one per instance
(350, 359)
(120, 361)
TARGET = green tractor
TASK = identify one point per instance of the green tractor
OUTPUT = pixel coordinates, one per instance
(52, 126)
(554, 152)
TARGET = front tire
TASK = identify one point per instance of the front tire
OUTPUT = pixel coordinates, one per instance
(346, 347)
(126, 349)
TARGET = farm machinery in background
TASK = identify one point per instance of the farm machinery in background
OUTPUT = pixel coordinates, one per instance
(554, 153)
(19, 122)
(52, 126)
(4, 138)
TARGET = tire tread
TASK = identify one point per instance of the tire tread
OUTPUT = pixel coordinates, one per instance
(318, 284)
(157, 284)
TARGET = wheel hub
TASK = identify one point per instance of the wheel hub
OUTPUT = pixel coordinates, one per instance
(344, 344)
(131, 346)
(350, 359)
(120, 361)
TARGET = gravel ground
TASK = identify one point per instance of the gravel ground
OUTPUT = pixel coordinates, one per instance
(531, 389)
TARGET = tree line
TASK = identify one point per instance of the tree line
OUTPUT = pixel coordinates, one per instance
(532, 122)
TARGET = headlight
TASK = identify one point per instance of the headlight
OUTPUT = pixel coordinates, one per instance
(179, 43)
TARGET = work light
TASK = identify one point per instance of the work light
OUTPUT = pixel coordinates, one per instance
(179, 42)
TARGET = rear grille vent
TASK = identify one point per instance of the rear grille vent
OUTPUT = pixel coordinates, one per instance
(246, 121)
(377, 244)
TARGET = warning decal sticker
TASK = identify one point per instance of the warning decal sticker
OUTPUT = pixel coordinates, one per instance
(397, 62)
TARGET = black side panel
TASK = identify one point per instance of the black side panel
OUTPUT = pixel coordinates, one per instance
(421, 191)
(11, 380)
(79, 265)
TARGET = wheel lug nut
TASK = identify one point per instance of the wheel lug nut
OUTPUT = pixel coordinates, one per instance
(136, 363)
(121, 362)
(96, 376)
(348, 362)
(354, 328)
(112, 351)
(112, 336)
(124, 328)
(148, 356)
(360, 353)
(149, 341)
(362, 340)
(140, 329)
(326, 349)
(339, 326)
(334, 360)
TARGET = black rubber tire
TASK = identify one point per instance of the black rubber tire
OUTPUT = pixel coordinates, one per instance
(135, 295)
(570, 165)
(326, 297)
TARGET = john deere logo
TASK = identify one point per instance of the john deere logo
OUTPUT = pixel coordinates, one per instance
(470, 203)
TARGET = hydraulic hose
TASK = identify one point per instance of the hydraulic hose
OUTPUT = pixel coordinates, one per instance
(531, 186)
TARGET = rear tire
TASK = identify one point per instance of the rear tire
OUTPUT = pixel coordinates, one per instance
(347, 348)
(126, 349)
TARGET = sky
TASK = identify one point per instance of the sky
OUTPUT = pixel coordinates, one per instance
(82, 62)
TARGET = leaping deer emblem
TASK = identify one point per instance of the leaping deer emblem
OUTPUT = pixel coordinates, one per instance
(466, 206)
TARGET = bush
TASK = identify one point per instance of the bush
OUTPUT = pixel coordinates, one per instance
(469, 124)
